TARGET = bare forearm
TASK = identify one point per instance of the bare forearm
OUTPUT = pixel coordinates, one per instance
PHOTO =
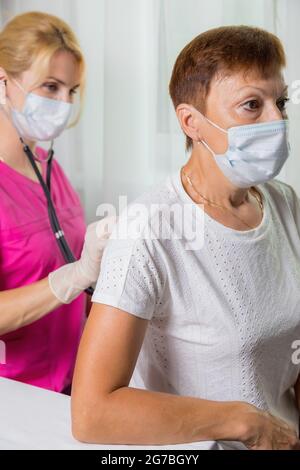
(24, 305)
(134, 416)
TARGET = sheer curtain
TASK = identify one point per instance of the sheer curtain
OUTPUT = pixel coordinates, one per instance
(128, 137)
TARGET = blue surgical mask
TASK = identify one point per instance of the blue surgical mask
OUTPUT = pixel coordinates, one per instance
(256, 152)
(42, 119)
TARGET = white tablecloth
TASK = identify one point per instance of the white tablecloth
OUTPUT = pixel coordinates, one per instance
(33, 418)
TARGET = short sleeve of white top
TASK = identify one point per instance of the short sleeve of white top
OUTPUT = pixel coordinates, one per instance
(224, 317)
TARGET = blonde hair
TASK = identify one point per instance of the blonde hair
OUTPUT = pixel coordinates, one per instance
(31, 39)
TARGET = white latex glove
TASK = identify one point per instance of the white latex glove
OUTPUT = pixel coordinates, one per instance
(68, 281)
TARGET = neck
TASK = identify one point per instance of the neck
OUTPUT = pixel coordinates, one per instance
(208, 179)
(11, 148)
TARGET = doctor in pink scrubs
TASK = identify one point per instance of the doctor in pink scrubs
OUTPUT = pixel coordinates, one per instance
(42, 304)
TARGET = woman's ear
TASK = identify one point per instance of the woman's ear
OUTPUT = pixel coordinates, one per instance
(3, 75)
(3, 81)
(189, 121)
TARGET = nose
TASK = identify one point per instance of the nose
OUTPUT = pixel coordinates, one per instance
(66, 98)
(273, 113)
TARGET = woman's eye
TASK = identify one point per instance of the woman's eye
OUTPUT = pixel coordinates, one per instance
(251, 105)
(73, 92)
(282, 103)
(52, 87)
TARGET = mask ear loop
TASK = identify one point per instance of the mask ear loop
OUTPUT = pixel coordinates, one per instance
(7, 99)
(200, 141)
(216, 125)
(2, 91)
(19, 86)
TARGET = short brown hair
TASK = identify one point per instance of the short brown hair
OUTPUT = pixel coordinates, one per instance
(228, 49)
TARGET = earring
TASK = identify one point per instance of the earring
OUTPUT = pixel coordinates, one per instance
(2, 91)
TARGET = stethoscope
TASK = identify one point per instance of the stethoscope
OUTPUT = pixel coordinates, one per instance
(55, 225)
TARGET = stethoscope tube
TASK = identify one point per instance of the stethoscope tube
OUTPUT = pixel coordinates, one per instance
(54, 222)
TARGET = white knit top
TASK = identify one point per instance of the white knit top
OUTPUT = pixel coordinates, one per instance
(224, 316)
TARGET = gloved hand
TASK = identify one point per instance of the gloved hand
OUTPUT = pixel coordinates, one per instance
(68, 281)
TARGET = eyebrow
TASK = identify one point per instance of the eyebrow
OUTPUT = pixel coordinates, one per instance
(63, 83)
(261, 89)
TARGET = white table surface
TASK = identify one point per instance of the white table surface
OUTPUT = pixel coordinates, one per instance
(33, 418)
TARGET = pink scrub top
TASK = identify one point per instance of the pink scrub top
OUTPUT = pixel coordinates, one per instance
(42, 353)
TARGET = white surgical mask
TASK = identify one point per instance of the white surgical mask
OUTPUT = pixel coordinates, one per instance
(42, 119)
(256, 152)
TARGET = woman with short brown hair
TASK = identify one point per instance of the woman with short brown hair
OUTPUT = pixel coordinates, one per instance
(189, 342)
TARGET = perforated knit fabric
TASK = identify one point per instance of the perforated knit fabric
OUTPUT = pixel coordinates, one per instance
(223, 317)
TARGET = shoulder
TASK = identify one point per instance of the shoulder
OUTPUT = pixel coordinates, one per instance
(159, 194)
(280, 191)
(146, 215)
(284, 201)
(133, 268)
(140, 223)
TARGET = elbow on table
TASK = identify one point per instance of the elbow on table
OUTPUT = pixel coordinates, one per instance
(80, 431)
(87, 426)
